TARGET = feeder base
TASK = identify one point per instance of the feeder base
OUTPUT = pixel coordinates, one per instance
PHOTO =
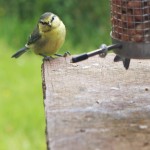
(132, 50)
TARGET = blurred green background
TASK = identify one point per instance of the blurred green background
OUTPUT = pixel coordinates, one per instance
(22, 121)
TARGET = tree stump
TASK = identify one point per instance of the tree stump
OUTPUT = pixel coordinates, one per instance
(96, 104)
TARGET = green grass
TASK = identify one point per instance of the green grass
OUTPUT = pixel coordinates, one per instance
(22, 122)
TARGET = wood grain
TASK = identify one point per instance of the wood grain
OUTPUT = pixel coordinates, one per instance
(96, 104)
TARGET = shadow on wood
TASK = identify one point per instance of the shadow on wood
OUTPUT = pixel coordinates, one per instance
(97, 104)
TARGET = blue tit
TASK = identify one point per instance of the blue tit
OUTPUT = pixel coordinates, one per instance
(47, 37)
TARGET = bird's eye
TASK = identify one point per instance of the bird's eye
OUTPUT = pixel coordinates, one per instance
(52, 18)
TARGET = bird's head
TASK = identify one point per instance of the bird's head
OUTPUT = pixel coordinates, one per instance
(48, 21)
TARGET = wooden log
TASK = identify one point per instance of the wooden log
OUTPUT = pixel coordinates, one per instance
(97, 104)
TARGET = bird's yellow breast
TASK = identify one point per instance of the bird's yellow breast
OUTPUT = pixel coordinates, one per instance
(51, 41)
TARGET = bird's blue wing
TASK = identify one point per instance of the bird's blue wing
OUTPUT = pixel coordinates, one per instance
(35, 36)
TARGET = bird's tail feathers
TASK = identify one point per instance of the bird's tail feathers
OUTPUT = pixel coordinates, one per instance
(20, 52)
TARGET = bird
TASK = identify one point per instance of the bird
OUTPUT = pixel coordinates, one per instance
(126, 61)
(47, 37)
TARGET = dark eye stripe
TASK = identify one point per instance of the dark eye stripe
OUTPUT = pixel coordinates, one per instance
(44, 23)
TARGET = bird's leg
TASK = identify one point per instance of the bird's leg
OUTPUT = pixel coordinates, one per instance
(59, 55)
(46, 58)
(64, 55)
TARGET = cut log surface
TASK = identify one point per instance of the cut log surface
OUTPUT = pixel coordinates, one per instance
(97, 104)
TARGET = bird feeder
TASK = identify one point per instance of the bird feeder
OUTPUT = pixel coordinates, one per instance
(130, 33)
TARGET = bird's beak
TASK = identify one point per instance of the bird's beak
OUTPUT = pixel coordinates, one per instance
(50, 24)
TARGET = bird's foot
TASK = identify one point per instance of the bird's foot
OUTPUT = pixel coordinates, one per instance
(46, 58)
(64, 55)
